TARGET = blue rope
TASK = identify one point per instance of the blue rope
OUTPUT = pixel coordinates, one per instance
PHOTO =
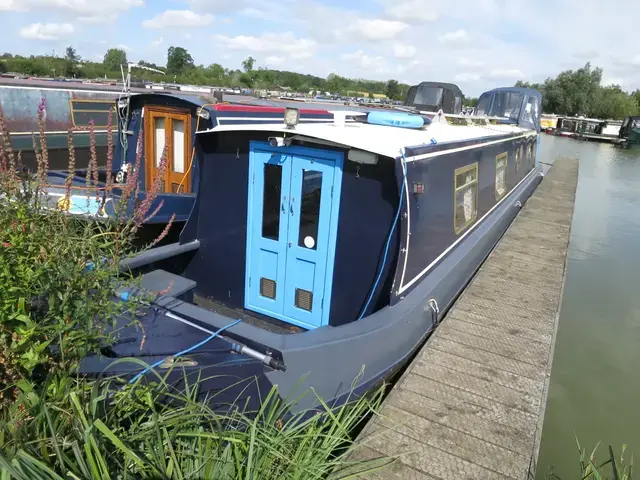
(190, 349)
(386, 248)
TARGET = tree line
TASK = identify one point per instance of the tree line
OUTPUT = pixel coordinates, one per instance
(180, 68)
(580, 92)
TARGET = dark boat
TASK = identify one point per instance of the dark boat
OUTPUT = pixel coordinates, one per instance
(435, 96)
(629, 134)
(316, 250)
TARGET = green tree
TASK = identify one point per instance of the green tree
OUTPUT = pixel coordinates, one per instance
(248, 64)
(71, 55)
(4, 68)
(178, 60)
(114, 58)
(216, 71)
(612, 103)
(393, 89)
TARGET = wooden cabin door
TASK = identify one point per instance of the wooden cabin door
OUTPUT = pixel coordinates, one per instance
(173, 127)
(292, 222)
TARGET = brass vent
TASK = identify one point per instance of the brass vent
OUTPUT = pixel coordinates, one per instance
(267, 288)
(304, 299)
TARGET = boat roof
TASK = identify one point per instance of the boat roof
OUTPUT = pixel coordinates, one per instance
(194, 100)
(382, 140)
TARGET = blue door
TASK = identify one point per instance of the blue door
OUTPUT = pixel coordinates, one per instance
(294, 195)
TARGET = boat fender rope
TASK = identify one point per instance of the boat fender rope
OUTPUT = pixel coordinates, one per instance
(184, 352)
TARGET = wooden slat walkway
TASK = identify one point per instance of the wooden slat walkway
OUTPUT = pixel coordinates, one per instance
(471, 404)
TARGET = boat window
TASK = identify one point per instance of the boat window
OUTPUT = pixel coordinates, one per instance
(159, 139)
(428, 96)
(483, 105)
(530, 154)
(501, 175)
(178, 146)
(531, 112)
(85, 110)
(465, 197)
(625, 123)
(457, 108)
(518, 158)
(635, 123)
(507, 105)
(271, 201)
(310, 209)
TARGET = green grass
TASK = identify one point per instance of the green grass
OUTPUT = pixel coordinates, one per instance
(106, 429)
(613, 468)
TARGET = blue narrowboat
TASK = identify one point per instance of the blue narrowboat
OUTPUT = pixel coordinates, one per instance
(323, 254)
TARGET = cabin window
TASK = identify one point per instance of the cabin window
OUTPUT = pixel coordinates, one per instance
(178, 146)
(431, 96)
(310, 209)
(507, 105)
(501, 175)
(465, 197)
(483, 105)
(457, 108)
(159, 139)
(85, 110)
(271, 201)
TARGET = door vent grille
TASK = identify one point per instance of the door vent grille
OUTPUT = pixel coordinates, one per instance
(267, 288)
(304, 299)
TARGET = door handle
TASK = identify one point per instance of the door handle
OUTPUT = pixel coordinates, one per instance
(284, 209)
(291, 206)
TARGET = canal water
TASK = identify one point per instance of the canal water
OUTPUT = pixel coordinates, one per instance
(594, 394)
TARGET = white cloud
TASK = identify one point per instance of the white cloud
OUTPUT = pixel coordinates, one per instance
(278, 43)
(157, 42)
(467, 77)
(178, 19)
(46, 31)
(507, 74)
(274, 60)
(412, 11)
(85, 10)
(403, 50)
(375, 29)
(466, 62)
(457, 37)
(124, 47)
(367, 62)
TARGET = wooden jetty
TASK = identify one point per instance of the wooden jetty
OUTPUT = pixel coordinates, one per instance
(471, 404)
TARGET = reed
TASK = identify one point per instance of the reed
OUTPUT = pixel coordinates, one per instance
(612, 468)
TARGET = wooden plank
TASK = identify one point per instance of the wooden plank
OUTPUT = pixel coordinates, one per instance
(471, 403)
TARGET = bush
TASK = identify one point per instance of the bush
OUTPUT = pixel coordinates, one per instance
(58, 271)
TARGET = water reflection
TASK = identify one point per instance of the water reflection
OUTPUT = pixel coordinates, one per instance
(594, 383)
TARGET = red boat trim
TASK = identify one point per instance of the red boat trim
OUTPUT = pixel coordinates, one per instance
(259, 109)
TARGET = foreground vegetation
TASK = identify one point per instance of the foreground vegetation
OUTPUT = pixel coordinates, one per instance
(613, 468)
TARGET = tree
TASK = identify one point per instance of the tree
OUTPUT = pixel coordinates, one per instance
(4, 68)
(216, 71)
(248, 64)
(178, 60)
(114, 58)
(612, 102)
(71, 55)
(393, 89)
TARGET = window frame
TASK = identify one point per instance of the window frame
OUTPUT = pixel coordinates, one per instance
(458, 171)
(89, 100)
(500, 157)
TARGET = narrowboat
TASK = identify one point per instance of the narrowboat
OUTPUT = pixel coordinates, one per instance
(156, 119)
(435, 96)
(323, 254)
(629, 134)
(68, 105)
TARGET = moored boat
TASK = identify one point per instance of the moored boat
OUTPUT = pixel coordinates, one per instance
(325, 248)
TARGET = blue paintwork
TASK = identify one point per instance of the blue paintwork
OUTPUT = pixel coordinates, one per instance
(284, 260)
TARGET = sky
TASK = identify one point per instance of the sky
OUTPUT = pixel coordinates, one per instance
(477, 44)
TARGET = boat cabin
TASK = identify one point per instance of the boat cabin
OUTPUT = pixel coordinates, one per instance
(435, 96)
(629, 133)
(512, 105)
(335, 244)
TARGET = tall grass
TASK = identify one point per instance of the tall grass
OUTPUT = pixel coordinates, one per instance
(107, 429)
(613, 468)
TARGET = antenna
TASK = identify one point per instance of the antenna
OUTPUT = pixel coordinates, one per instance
(123, 105)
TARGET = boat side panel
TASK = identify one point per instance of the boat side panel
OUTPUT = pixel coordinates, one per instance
(431, 214)
(367, 207)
